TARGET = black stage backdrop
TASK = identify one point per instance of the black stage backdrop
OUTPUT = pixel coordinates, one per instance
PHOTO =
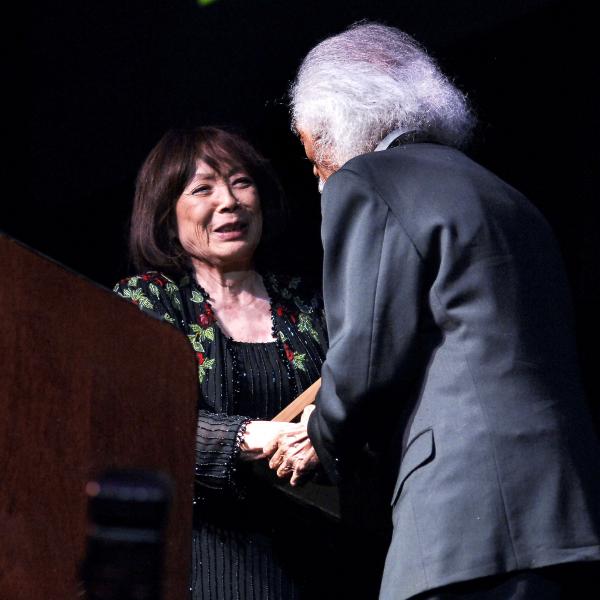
(109, 77)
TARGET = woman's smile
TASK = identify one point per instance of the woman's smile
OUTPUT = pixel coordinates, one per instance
(231, 231)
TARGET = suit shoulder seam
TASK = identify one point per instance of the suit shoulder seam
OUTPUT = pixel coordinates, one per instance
(377, 191)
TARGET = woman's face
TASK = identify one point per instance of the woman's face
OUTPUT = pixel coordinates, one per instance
(219, 218)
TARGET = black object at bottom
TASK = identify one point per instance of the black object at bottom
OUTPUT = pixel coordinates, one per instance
(125, 546)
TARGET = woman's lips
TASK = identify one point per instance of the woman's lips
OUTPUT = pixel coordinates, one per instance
(231, 231)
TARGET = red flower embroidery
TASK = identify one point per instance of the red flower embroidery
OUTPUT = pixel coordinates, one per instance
(200, 358)
(206, 318)
(293, 318)
(288, 352)
(280, 311)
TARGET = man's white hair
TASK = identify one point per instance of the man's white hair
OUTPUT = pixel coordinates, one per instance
(356, 87)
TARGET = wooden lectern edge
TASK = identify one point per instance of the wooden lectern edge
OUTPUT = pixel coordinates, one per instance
(98, 286)
(295, 407)
(54, 261)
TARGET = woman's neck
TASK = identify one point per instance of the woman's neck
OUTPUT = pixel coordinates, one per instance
(240, 302)
(229, 288)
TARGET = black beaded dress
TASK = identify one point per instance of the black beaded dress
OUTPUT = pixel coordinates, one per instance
(250, 541)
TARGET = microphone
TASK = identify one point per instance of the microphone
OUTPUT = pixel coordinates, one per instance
(127, 516)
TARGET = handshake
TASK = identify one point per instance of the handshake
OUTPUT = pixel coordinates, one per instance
(286, 446)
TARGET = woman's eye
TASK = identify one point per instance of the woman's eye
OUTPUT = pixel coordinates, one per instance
(201, 189)
(242, 182)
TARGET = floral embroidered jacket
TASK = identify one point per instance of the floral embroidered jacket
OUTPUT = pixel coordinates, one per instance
(228, 400)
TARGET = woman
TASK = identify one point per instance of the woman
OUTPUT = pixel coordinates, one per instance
(205, 207)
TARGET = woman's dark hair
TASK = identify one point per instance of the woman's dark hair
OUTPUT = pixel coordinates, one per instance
(170, 166)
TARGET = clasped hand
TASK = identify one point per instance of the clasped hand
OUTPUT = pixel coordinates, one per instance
(287, 444)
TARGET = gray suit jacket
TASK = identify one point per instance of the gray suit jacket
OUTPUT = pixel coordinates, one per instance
(451, 349)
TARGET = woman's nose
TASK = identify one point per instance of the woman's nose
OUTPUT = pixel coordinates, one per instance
(227, 199)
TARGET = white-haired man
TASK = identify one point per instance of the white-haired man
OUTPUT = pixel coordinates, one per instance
(451, 340)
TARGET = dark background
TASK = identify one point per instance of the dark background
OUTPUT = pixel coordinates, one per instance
(108, 78)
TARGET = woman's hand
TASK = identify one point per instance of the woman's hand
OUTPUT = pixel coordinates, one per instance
(260, 434)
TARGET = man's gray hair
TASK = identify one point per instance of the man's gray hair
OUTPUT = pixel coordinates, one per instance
(356, 87)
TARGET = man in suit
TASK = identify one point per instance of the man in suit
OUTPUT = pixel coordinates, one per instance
(451, 336)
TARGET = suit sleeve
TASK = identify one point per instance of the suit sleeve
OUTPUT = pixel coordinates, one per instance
(373, 284)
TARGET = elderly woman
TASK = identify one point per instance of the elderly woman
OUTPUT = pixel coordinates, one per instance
(206, 206)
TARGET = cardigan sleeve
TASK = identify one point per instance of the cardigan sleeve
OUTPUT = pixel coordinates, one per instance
(218, 440)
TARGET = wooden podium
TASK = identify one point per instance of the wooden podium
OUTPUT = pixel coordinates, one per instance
(87, 382)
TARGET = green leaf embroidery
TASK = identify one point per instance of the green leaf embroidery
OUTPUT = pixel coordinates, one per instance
(167, 317)
(138, 296)
(197, 297)
(208, 364)
(202, 334)
(282, 336)
(177, 301)
(196, 343)
(154, 289)
(171, 289)
(117, 289)
(305, 326)
(298, 361)
(145, 303)
(133, 281)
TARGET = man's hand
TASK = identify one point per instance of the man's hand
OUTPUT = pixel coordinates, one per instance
(293, 453)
